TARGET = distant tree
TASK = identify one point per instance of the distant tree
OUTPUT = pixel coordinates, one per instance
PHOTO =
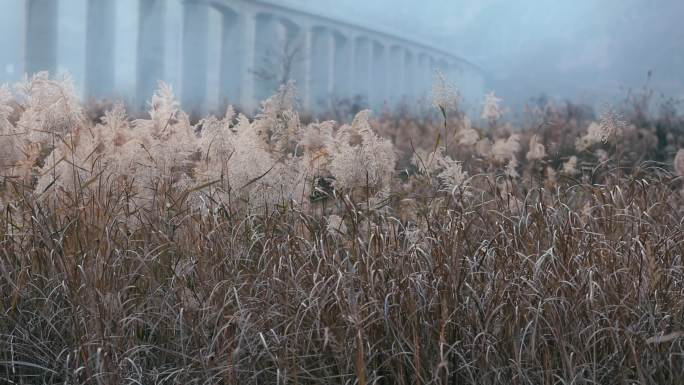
(278, 66)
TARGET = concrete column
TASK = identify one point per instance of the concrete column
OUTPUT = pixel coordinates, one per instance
(307, 66)
(330, 53)
(363, 68)
(151, 27)
(443, 66)
(247, 60)
(409, 76)
(195, 54)
(452, 73)
(12, 40)
(126, 17)
(41, 36)
(432, 68)
(421, 68)
(173, 45)
(71, 41)
(478, 86)
(99, 74)
(214, 44)
(396, 87)
(231, 52)
(269, 51)
(351, 75)
(299, 43)
(323, 67)
(474, 85)
(379, 77)
(425, 76)
(343, 67)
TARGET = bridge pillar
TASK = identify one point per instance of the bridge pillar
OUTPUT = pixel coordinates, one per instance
(269, 51)
(214, 61)
(126, 20)
(231, 71)
(41, 36)
(422, 74)
(343, 76)
(151, 51)
(410, 91)
(247, 59)
(282, 54)
(433, 68)
(396, 86)
(454, 76)
(12, 40)
(99, 61)
(443, 66)
(173, 45)
(379, 78)
(298, 46)
(323, 67)
(363, 68)
(72, 35)
(307, 67)
(195, 54)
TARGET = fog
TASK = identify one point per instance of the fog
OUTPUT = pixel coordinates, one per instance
(590, 51)
(587, 51)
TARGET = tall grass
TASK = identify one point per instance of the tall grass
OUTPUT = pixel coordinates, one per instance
(444, 268)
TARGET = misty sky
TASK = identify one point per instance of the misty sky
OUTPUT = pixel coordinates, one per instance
(586, 50)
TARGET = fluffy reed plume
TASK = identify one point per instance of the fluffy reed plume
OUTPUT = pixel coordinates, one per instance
(506, 149)
(491, 109)
(537, 150)
(607, 128)
(679, 162)
(269, 251)
(595, 134)
(449, 172)
(511, 169)
(570, 166)
(360, 158)
(601, 155)
(445, 95)
(467, 136)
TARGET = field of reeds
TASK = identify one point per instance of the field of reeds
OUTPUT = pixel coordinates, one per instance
(394, 249)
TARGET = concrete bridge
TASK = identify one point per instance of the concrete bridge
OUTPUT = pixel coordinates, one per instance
(220, 51)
